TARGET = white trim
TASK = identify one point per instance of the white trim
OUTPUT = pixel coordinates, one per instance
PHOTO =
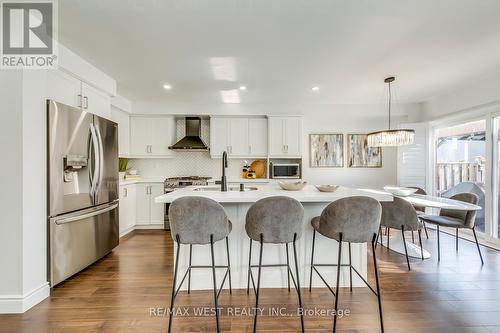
(127, 231)
(22, 303)
(149, 226)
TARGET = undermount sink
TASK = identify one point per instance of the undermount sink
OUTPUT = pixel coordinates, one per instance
(217, 189)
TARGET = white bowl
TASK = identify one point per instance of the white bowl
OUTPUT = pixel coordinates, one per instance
(327, 188)
(292, 186)
(400, 191)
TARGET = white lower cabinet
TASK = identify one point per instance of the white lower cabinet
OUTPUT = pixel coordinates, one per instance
(127, 210)
(148, 211)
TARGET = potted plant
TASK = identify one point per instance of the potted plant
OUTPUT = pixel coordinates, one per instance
(122, 167)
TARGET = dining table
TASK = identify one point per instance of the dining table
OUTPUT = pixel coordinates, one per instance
(428, 201)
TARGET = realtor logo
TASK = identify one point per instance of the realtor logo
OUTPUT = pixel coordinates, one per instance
(28, 34)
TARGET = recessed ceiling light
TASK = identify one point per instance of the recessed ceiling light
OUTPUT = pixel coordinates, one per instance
(167, 87)
(243, 88)
(315, 88)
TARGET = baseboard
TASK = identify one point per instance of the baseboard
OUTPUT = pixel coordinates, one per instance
(127, 231)
(149, 226)
(22, 303)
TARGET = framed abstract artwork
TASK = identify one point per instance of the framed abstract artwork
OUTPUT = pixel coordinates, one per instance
(359, 155)
(326, 150)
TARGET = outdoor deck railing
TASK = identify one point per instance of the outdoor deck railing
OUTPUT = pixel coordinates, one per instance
(452, 173)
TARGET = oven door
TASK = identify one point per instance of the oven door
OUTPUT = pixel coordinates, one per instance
(285, 171)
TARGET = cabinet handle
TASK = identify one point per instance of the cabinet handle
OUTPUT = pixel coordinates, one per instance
(86, 100)
(80, 104)
(125, 192)
(249, 149)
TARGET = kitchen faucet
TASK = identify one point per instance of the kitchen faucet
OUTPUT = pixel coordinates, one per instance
(223, 181)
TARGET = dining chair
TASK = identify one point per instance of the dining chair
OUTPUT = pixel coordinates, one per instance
(458, 219)
(399, 214)
(421, 209)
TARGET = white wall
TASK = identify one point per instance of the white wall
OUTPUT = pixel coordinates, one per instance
(472, 97)
(23, 246)
(11, 180)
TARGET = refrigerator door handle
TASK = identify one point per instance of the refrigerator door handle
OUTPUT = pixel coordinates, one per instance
(101, 158)
(94, 174)
(84, 216)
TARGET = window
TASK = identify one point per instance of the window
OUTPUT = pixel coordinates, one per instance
(461, 163)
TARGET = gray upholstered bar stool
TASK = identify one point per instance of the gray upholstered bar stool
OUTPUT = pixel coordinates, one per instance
(458, 219)
(401, 215)
(276, 220)
(352, 220)
(198, 221)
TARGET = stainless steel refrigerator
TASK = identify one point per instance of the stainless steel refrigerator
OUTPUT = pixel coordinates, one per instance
(82, 189)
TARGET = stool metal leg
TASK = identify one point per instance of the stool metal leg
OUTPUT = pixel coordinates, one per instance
(249, 266)
(456, 240)
(174, 283)
(412, 237)
(298, 282)
(312, 260)
(189, 272)
(439, 250)
(378, 285)
(229, 266)
(350, 269)
(425, 229)
(258, 284)
(420, 241)
(379, 236)
(404, 243)
(287, 266)
(477, 244)
(215, 282)
(338, 283)
(388, 231)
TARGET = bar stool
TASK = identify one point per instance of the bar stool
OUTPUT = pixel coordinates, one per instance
(276, 220)
(198, 221)
(352, 220)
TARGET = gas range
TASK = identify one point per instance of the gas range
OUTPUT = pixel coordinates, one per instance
(178, 182)
(173, 183)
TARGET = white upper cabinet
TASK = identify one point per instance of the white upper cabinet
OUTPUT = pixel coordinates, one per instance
(257, 130)
(96, 101)
(219, 136)
(122, 118)
(64, 88)
(163, 130)
(285, 135)
(238, 136)
(151, 136)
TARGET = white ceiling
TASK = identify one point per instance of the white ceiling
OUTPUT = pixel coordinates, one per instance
(280, 49)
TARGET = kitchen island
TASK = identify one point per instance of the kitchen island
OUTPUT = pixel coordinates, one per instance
(236, 204)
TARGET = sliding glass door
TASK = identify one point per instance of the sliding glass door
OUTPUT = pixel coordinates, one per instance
(461, 155)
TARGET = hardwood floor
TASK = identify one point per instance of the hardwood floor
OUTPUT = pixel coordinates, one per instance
(117, 294)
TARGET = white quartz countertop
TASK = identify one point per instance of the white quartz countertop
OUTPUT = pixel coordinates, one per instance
(141, 180)
(308, 194)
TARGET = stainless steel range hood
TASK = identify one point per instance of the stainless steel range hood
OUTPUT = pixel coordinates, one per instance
(192, 140)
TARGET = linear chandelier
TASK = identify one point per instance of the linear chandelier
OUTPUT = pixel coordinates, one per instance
(390, 137)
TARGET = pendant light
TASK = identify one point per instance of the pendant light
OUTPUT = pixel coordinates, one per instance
(390, 137)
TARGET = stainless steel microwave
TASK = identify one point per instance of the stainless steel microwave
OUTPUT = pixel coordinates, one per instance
(285, 170)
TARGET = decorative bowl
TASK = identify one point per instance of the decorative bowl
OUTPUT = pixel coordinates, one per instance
(400, 191)
(327, 188)
(292, 186)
